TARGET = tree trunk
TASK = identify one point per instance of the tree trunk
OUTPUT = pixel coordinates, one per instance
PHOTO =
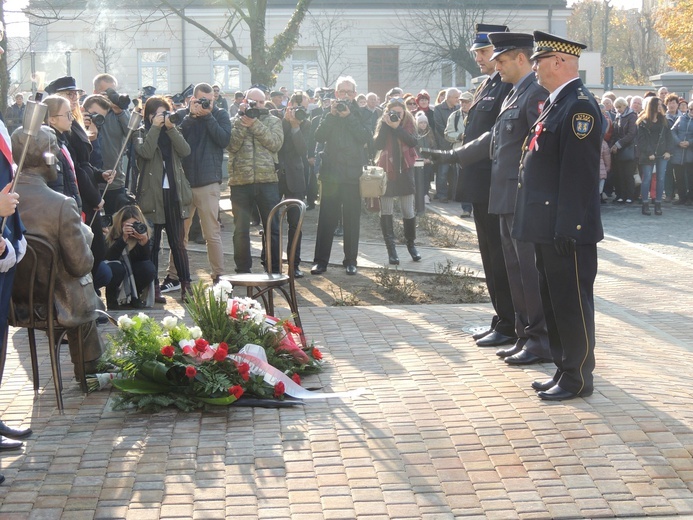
(4, 73)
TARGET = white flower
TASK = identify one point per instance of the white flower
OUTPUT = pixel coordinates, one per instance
(186, 343)
(226, 286)
(142, 316)
(195, 332)
(217, 293)
(124, 322)
(169, 322)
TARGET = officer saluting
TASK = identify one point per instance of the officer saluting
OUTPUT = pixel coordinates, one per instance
(558, 210)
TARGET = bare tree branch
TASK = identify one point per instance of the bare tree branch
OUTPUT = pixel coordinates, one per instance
(327, 31)
(428, 35)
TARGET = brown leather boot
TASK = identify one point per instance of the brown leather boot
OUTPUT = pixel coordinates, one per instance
(158, 297)
(184, 291)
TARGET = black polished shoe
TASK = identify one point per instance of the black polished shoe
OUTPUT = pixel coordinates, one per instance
(2, 479)
(541, 386)
(12, 433)
(524, 358)
(318, 269)
(495, 339)
(517, 347)
(480, 335)
(351, 269)
(298, 273)
(9, 444)
(556, 393)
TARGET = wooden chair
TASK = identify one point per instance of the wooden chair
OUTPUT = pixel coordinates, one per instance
(41, 312)
(263, 285)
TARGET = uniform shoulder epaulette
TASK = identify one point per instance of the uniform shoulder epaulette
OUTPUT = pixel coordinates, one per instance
(581, 94)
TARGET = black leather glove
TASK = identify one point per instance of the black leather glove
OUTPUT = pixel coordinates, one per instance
(565, 246)
(439, 156)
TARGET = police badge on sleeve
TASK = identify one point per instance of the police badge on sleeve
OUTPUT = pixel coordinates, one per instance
(582, 125)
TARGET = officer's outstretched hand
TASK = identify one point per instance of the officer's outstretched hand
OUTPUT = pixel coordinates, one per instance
(565, 246)
(439, 156)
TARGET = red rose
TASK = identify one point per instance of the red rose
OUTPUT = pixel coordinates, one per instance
(224, 345)
(220, 354)
(279, 390)
(292, 328)
(190, 371)
(317, 354)
(201, 345)
(236, 391)
(244, 371)
(296, 379)
(167, 351)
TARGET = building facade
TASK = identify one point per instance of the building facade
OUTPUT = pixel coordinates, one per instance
(375, 42)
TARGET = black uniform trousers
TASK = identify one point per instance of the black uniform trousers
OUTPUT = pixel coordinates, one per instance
(338, 199)
(567, 293)
(491, 249)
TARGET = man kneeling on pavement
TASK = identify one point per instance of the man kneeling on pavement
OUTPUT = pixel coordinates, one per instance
(55, 218)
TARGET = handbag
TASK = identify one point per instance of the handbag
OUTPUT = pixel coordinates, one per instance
(373, 182)
(627, 153)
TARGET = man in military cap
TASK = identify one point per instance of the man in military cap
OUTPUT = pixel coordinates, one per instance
(474, 184)
(504, 141)
(558, 211)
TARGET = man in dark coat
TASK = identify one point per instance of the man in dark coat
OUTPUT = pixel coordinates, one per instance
(291, 173)
(474, 185)
(12, 247)
(346, 140)
(558, 210)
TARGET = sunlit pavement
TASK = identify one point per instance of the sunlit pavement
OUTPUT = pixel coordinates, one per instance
(445, 429)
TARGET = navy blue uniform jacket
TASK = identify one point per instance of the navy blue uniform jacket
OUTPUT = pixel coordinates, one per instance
(558, 185)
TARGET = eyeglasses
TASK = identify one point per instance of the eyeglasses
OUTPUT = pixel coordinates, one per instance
(69, 116)
(342, 91)
(411, 103)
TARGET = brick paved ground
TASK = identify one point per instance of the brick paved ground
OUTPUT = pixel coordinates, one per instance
(444, 431)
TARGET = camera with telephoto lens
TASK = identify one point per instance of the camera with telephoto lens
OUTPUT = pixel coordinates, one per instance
(204, 103)
(253, 112)
(394, 116)
(122, 101)
(341, 107)
(139, 227)
(97, 119)
(300, 113)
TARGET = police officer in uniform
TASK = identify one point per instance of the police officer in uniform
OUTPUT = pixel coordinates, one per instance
(504, 141)
(474, 184)
(558, 210)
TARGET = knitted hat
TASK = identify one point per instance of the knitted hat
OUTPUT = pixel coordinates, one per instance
(421, 117)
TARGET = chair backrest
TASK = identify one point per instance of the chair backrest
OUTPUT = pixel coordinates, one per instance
(32, 299)
(283, 208)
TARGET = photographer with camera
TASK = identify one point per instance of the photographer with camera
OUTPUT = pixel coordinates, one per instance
(207, 129)
(346, 139)
(395, 137)
(163, 192)
(111, 136)
(129, 255)
(256, 138)
(292, 161)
